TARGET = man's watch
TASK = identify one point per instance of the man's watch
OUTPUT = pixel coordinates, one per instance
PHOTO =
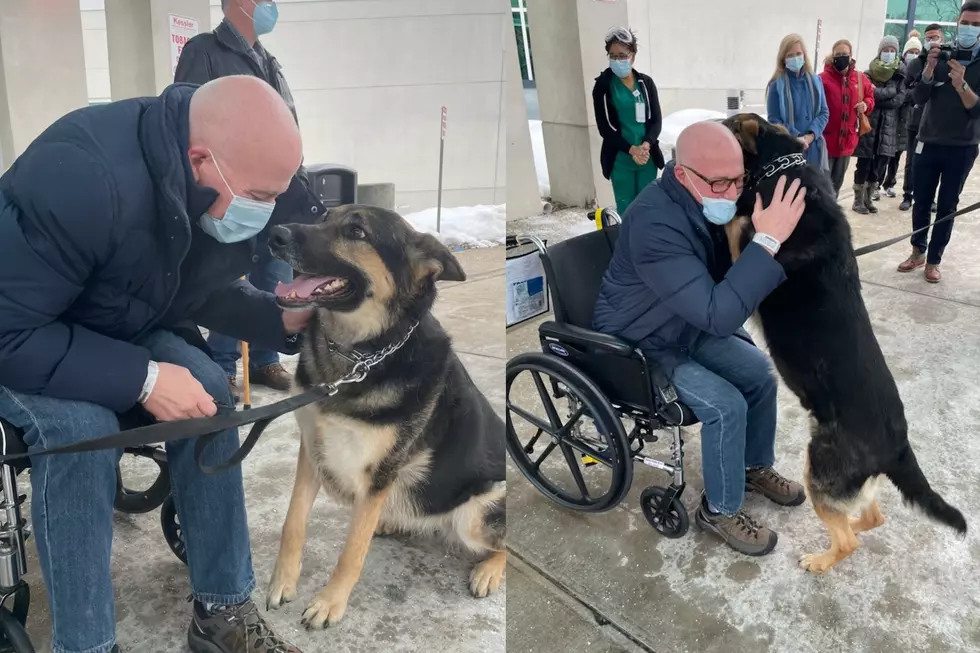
(767, 241)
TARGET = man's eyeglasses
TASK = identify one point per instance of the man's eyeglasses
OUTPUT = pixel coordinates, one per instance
(618, 57)
(721, 184)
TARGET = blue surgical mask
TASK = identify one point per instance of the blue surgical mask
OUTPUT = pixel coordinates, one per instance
(966, 35)
(795, 64)
(887, 57)
(716, 210)
(243, 219)
(620, 67)
(265, 17)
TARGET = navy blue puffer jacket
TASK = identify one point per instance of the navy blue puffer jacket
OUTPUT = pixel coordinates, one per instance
(100, 244)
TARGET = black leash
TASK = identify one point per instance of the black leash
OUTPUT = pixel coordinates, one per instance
(867, 249)
(206, 429)
(787, 161)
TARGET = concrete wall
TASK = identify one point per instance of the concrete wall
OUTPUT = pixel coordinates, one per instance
(369, 78)
(40, 50)
(736, 46)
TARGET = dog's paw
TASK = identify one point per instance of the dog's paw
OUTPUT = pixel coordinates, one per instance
(325, 610)
(282, 589)
(383, 530)
(486, 576)
(817, 563)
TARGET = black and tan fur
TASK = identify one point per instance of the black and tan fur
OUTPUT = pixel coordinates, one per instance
(415, 447)
(820, 337)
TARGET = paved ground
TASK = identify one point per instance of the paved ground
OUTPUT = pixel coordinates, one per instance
(912, 586)
(412, 595)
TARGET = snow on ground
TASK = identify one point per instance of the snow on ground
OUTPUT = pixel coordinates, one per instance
(465, 226)
(540, 161)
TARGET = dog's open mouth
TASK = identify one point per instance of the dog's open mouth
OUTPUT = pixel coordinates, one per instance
(304, 290)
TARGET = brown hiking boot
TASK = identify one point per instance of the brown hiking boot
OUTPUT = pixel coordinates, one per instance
(273, 376)
(768, 482)
(933, 275)
(738, 531)
(915, 261)
(235, 392)
(234, 629)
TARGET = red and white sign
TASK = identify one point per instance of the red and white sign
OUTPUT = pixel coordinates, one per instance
(444, 123)
(182, 29)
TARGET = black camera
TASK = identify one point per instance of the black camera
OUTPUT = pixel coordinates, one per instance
(948, 51)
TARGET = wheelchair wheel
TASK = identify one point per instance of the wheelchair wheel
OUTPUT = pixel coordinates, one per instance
(672, 523)
(13, 636)
(598, 467)
(140, 501)
(171, 529)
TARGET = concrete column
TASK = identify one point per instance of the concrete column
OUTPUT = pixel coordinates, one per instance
(568, 54)
(523, 194)
(140, 41)
(42, 70)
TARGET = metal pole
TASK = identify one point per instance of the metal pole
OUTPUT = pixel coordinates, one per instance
(247, 390)
(442, 149)
(910, 22)
(816, 45)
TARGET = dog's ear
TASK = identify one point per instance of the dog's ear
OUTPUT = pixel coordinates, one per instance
(781, 129)
(747, 133)
(434, 259)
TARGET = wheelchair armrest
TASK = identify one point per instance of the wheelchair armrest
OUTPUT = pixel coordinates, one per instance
(578, 336)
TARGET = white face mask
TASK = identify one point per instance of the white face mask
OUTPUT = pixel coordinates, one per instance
(887, 57)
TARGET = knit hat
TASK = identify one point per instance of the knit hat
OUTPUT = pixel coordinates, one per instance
(912, 44)
(888, 41)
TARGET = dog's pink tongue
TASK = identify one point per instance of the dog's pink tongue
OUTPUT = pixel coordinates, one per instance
(302, 285)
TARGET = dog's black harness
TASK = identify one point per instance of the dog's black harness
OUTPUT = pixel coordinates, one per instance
(207, 429)
(796, 159)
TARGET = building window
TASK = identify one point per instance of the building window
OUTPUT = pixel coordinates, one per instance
(518, 9)
(926, 12)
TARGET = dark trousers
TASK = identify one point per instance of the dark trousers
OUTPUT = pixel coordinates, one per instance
(945, 167)
(909, 157)
(870, 171)
(838, 169)
(891, 170)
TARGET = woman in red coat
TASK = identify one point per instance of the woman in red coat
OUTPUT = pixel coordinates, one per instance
(840, 83)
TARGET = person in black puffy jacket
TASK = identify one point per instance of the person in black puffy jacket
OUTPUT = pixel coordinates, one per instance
(122, 227)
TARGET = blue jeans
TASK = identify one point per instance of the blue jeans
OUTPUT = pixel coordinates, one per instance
(265, 274)
(730, 386)
(71, 505)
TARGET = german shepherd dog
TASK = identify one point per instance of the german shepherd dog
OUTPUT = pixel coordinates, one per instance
(820, 337)
(414, 447)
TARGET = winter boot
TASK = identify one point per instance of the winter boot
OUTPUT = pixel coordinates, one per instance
(859, 194)
(868, 200)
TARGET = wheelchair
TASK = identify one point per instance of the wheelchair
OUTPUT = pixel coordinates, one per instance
(14, 531)
(605, 382)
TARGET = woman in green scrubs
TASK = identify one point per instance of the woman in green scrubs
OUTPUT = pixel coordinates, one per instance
(627, 113)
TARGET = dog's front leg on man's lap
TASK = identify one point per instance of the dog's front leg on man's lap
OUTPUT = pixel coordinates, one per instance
(733, 230)
(328, 607)
(282, 587)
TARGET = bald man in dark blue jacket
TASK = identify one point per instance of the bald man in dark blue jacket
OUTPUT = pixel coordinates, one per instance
(122, 227)
(667, 290)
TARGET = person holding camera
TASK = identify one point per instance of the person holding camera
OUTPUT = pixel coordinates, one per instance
(933, 37)
(948, 138)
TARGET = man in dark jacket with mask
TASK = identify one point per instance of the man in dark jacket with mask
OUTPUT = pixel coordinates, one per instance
(665, 290)
(233, 48)
(158, 208)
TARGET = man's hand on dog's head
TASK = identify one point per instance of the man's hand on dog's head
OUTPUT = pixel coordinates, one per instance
(178, 395)
(780, 218)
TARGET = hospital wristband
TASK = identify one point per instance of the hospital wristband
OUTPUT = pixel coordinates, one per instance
(767, 241)
(152, 372)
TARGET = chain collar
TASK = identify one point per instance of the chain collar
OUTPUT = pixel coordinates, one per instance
(362, 362)
(781, 163)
